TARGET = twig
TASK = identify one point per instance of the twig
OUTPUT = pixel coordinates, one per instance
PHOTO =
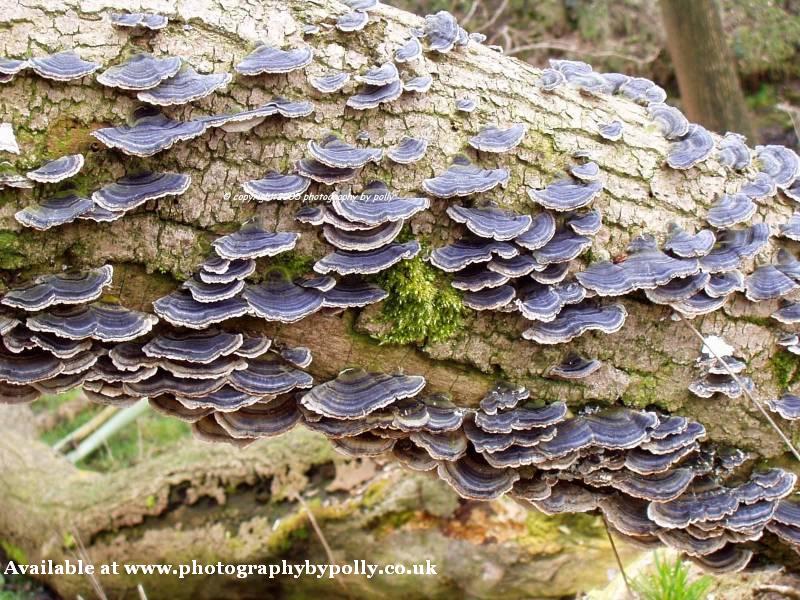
(747, 393)
(112, 426)
(494, 17)
(98, 589)
(470, 13)
(317, 530)
(618, 559)
(555, 45)
(79, 434)
(140, 589)
(792, 112)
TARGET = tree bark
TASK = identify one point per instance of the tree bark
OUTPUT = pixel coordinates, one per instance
(650, 362)
(213, 503)
(710, 90)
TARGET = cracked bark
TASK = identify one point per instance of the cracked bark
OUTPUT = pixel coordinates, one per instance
(648, 363)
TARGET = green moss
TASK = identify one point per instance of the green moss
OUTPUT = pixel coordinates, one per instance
(68, 136)
(374, 493)
(393, 521)
(68, 541)
(422, 306)
(290, 264)
(784, 368)
(644, 391)
(552, 534)
(11, 256)
(289, 531)
(14, 553)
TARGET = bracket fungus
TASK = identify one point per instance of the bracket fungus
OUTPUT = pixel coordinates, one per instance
(321, 173)
(574, 366)
(67, 288)
(347, 262)
(362, 239)
(356, 393)
(375, 205)
(371, 96)
(276, 186)
(151, 21)
(352, 292)
(496, 139)
(491, 221)
(779, 162)
(246, 120)
(733, 152)
(271, 60)
(182, 310)
(380, 75)
(611, 131)
(186, 86)
(464, 252)
(140, 72)
(673, 123)
(408, 52)
(687, 245)
(564, 246)
(134, 190)
(419, 84)
(54, 211)
(278, 299)
(693, 148)
(251, 241)
(441, 31)
(333, 152)
(203, 355)
(575, 320)
(57, 170)
(329, 82)
(566, 194)
(352, 21)
(62, 66)
(463, 178)
(466, 105)
(730, 210)
(150, 133)
(408, 150)
(100, 321)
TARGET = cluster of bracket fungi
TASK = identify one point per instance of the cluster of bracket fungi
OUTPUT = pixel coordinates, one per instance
(651, 475)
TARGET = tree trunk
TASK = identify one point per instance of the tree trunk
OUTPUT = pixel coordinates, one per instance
(213, 503)
(650, 362)
(710, 90)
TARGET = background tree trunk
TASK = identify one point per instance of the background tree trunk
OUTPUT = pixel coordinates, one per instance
(710, 90)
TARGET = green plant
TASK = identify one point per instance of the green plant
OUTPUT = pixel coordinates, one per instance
(421, 305)
(670, 581)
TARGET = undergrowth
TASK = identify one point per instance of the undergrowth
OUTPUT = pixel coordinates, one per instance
(669, 580)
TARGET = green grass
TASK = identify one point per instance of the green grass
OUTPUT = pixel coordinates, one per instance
(151, 435)
(126, 447)
(669, 580)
